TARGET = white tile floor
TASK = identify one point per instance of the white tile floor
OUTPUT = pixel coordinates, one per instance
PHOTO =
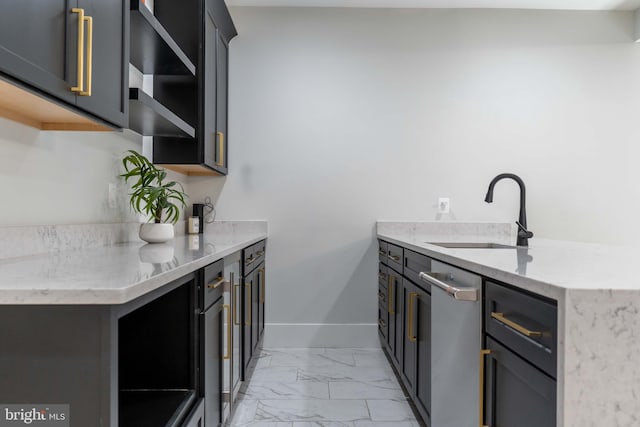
(323, 387)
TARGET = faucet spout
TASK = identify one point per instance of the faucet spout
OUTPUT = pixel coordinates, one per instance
(523, 234)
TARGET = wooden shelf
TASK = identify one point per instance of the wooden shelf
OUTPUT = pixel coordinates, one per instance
(153, 50)
(154, 407)
(150, 118)
(191, 170)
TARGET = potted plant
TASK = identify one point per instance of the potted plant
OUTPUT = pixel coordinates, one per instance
(152, 197)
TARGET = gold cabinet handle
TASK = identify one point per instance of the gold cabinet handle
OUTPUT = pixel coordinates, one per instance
(215, 285)
(410, 332)
(227, 354)
(259, 254)
(483, 353)
(248, 322)
(382, 276)
(236, 321)
(89, 21)
(249, 260)
(390, 300)
(380, 296)
(381, 252)
(262, 285)
(510, 323)
(80, 77)
(220, 136)
(381, 323)
(395, 258)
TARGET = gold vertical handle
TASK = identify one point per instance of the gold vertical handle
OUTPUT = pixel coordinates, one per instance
(483, 353)
(227, 354)
(262, 283)
(391, 282)
(410, 332)
(80, 77)
(236, 321)
(248, 322)
(220, 136)
(89, 20)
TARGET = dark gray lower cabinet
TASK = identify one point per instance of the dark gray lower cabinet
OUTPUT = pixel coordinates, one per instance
(423, 353)
(409, 341)
(247, 308)
(262, 290)
(516, 393)
(212, 342)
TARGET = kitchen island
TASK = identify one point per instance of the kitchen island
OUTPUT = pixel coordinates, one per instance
(598, 303)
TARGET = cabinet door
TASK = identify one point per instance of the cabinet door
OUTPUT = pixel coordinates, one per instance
(247, 348)
(516, 393)
(222, 103)
(109, 77)
(423, 353)
(208, 138)
(213, 347)
(409, 337)
(38, 44)
(255, 310)
(262, 287)
(397, 308)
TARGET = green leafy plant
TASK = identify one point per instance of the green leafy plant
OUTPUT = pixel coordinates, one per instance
(151, 196)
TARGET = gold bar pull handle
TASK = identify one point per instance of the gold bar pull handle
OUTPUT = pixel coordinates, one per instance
(410, 332)
(483, 353)
(262, 282)
(248, 322)
(89, 20)
(220, 136)
(80, 77)
(390, 301)
(227, 354)
(236, 288)
(513, 325)
(215, 285)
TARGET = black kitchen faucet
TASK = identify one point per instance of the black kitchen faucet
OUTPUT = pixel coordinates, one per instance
(523, 234)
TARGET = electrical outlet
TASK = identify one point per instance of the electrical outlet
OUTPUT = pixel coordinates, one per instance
(112, 196)
(444, 205)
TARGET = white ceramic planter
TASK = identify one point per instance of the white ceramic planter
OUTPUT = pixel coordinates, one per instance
(156, 233)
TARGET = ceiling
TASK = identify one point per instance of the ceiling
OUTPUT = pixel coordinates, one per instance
(446, 4)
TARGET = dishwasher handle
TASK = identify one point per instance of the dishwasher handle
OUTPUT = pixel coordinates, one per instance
(440, 280)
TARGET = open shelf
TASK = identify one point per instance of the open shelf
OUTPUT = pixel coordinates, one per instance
(154, 407)
(153, 50)
(150, 118)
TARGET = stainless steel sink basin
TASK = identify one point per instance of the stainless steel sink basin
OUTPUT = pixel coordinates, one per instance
(477, 245)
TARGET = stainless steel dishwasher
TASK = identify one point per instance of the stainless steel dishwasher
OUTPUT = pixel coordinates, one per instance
(456, 334)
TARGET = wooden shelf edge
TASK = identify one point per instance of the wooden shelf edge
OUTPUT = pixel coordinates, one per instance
(24, 106)
(191, 170)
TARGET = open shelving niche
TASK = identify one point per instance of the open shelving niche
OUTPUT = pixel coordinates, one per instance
(153, 51)
(157, 358)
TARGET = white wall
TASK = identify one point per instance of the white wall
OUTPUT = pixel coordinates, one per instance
(340, 117)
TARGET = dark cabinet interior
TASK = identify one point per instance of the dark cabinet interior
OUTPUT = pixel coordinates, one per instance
(202, 29)
(72, 53)
(158, 357)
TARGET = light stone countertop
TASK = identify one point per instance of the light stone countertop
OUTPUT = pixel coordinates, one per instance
(114, 274)
(546, 267)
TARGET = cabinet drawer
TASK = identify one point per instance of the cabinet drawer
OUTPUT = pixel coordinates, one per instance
(383, 318)
(382, 251)
(213, 282)
(248, 260)
(259, 251)
(525, 324)
(414, 264)
(395, 255)
(383, 276)
(382, 296)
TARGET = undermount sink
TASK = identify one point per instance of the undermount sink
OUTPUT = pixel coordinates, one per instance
(477, 245)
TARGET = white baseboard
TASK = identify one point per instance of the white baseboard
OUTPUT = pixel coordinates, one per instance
(321, 335)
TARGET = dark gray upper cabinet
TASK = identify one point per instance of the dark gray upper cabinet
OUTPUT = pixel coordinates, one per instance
(40, 49)
(203, 30)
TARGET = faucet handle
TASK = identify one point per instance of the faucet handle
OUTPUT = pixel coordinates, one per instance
(523, 231)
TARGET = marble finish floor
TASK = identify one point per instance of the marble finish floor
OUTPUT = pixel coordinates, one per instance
(323, 387)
